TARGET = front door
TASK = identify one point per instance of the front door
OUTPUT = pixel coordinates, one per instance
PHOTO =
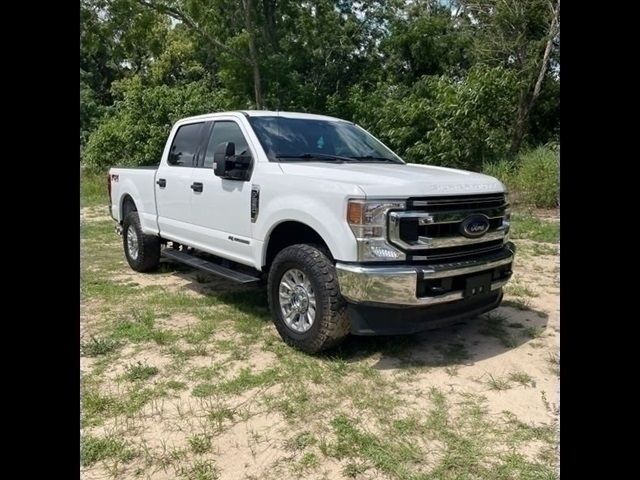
(173, 183)
(220, 213)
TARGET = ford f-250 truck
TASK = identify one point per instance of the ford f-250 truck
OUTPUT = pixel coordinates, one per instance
(350, 238)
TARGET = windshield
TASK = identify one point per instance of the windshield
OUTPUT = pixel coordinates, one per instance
(297, 139)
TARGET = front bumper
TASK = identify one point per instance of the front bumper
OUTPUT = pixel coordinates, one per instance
(421, 285)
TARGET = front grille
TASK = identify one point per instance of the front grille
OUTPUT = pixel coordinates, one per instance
(431, 228)
(467, 202)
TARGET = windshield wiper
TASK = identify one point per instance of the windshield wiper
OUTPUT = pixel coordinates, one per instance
(319, 156)
(377, 159)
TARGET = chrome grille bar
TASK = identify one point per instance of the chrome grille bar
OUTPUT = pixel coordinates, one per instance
(425, 237)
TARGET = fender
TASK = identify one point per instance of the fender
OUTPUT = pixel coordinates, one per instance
(328, 220)
(144, 200)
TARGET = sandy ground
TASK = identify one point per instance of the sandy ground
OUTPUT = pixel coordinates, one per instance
(251, 444)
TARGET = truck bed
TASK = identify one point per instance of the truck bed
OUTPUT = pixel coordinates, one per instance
(139, 182)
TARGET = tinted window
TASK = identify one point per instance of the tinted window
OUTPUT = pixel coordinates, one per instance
(283, 136)
(225, 132)
(185, 145)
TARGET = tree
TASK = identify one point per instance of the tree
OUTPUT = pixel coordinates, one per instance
(520, 35)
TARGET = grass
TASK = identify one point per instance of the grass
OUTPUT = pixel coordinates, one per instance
(493, 325)
(228, 368)
(518, 290)
(498, 383)
(522, 378)
(140, 372)
(200, 444)
(301, 441)
(529, 227)
(99, 346)
(96, 449)
(93, 189)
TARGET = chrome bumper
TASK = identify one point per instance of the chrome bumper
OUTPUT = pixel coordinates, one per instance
(398, 285)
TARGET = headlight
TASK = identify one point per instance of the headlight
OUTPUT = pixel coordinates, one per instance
(368, 222)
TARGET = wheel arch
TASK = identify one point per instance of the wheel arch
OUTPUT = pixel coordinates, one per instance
(287, 233)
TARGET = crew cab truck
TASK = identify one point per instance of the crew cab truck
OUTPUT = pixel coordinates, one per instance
(349, 237)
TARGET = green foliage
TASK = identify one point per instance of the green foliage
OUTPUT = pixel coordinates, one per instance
(442, 120)
(532, 228)
(136, 129)
(93, 188)
(435, 85)
(538, 180)
(533, 180)
(94, 449)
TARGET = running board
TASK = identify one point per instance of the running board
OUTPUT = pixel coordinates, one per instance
(208, 267)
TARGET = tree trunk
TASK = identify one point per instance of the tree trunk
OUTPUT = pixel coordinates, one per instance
(527, 100)
(271, 34)
(253, 53)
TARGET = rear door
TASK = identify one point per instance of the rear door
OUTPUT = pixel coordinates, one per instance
(220, 212)
(173, 183)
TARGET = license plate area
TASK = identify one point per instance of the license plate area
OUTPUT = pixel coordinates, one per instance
(477, 285)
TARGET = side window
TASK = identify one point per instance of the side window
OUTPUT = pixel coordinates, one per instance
(225, 131)
(185, 145)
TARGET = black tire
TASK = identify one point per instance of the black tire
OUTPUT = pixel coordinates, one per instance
(331, 324)
(148, 257)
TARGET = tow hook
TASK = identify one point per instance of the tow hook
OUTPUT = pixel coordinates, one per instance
(119, 229)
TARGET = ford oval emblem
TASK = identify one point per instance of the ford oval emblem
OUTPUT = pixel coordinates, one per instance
(474, 226)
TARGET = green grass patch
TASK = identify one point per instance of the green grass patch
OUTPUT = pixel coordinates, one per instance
(95, 449)
(98, 346)
(140, 372)
(498, 383)
(93, 189)
(522, 378)
(200, 444)
(529, 227)
(141, 328)
(391, 456)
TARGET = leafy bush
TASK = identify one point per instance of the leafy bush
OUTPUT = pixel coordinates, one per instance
(533, 180)
(134, 131)
(538, 179)
(503, 170)
(443, 120)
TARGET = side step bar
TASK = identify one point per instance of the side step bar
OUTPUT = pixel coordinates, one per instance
(208, 267)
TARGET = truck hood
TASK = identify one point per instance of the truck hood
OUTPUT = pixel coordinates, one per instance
(394, 180)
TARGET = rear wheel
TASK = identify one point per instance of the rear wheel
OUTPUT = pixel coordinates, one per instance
(304, 298)
(142, 251)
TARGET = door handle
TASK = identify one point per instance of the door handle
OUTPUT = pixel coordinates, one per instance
(196, 186)
(162, 182)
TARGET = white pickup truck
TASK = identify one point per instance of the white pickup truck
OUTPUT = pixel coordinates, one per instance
(350, 238)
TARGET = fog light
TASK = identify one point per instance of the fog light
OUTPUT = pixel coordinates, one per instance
(382, 252)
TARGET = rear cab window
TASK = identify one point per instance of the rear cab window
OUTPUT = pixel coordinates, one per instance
(184, 148)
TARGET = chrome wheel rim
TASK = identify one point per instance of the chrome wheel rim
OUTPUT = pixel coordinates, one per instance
(297, 300)
(132, 243)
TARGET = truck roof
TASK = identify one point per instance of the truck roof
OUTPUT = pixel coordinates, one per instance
(266, 113)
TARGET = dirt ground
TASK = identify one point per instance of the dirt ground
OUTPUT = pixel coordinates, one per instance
(199, 385)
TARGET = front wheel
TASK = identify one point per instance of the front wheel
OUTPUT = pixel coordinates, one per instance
(304, 297)
(142, 251)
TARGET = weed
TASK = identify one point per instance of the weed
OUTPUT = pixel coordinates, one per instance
(98, 346)
(200, 443)
(301, 441)
(522, 378)
(497, 383)
(94, 449)
(140, 372)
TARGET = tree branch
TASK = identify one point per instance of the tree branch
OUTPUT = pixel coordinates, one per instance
(178, 14)
(547, 52)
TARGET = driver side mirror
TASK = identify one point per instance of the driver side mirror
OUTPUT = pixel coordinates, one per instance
(226, 164)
